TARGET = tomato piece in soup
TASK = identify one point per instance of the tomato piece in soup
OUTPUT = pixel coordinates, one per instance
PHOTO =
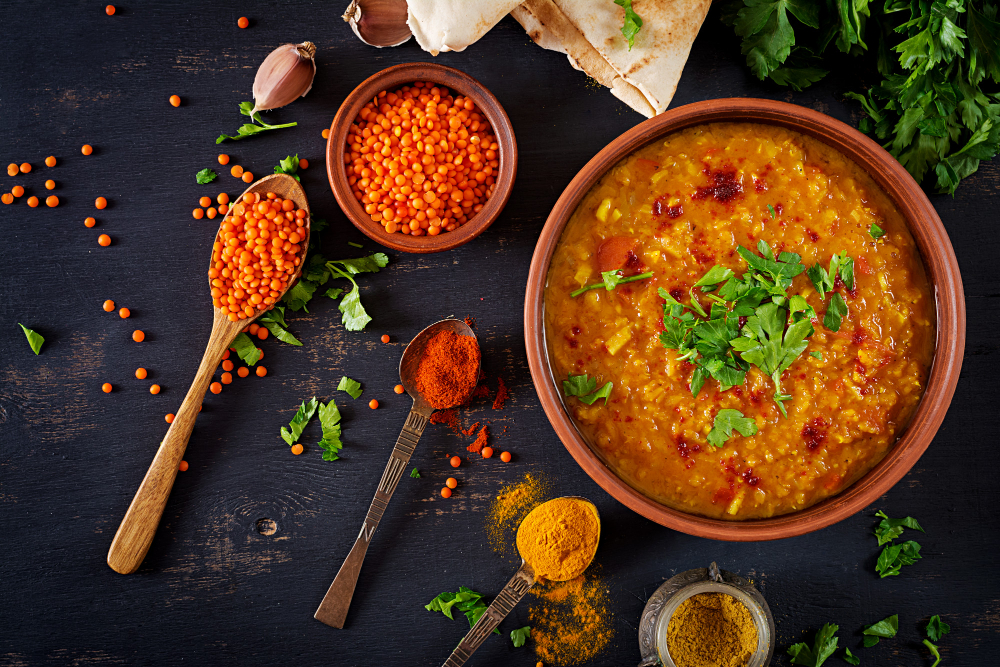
(614, 252)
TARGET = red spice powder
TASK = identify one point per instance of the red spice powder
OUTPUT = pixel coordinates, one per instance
(502, 395)
(470, 321)
(482, 391)
(448, 370)
(447, 417)
(480, 441)
(471, 429)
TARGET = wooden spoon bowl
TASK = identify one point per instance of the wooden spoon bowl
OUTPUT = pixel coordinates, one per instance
(135, 534)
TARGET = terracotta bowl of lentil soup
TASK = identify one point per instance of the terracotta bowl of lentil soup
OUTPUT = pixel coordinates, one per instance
(464, 183)
(865, 389)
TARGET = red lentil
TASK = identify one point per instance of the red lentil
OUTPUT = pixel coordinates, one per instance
(17, 191)
(52, 201)
(505, 457)
(297, 449)
(50, 161)
(451, 483)
(455, 461)
(101, 202)
(106, 387)
(261, 371)
(154, 389)
(89, 222)
(138, 336)
(108, 306)
(487, 452)
(243, 371)
(215, 388)
(227, 378)
(140, 373)
(446, 492)
(50, 184)
(243, 22)
(399, 389)
(7, 198)
(110, 10)
(102, 240)
(385, 338)
(12, 169)
(183, 466)
(87, 149)
(124, 313)
(373, 404)
(175, 100)
(170, 417)
(25, 167)
(32, 202)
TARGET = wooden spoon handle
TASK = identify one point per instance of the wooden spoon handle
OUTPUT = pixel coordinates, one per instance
(512, 593)
(333, 609)
(135, 534)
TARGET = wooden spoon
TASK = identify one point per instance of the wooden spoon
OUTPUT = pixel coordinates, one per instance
(135, 534)
(333, 609)
(507, 599)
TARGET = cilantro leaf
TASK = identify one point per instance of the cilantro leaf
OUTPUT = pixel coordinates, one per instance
(886, 628)
(817, 355)
(850, 658)
(868, 641)
(876, 232)
(276, 315)
(415, 474)
(610, 280)
(250, 129)
(35, 339)
(895, 556)
(352, 387)
(726, 421)
(329, 419)
(934, 652)
(245, 349)
(465, 600)
(632, 23)
(773, 214)
(274, 321)
(835, 312)
(717, 274)
(369, 264)
(334, 292)
(823, 647)
(936, 628)
(354, 316)
(520, 635)
(889, 529)
(302, 416)
(205, 176)
(585, 388)
(299, 295)
(289, 166)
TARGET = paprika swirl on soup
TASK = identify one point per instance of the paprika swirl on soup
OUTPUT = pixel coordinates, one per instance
(676, 208)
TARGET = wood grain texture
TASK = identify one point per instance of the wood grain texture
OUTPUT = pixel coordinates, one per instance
(252, 536)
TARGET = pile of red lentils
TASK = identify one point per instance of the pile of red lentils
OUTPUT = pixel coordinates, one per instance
(420, 160)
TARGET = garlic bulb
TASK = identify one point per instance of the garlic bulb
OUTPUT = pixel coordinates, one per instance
(284, 76)
(379, 22)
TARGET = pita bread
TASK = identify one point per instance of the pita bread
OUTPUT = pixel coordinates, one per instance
(589, 33)
(452, 25)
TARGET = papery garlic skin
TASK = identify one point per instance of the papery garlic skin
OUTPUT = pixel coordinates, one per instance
(379, 23)
(285, 75)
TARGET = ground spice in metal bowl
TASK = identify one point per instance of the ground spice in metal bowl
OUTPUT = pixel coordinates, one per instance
(711, 630)
(448, 370)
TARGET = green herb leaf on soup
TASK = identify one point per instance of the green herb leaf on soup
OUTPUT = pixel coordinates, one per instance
(302, 416)
(726, 421)
(585, 388)
(850, 658)
(823, 647)
(289, 166)
(889, 529)
(835, 312)
(611, 280)
(245, 349)
(415, 474)
(876, 232)
(329, 419)
(205, 176)
(250, 129)
(632, 23)
(936, 628)
(520, 636)
(352, 387)
(35, 339)
(886, 629)
(774, 214)
(816, 355)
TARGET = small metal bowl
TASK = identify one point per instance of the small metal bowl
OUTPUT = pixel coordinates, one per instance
(664, 602)
(390, 79)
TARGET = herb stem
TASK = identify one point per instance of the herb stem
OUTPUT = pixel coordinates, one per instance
(630, 279)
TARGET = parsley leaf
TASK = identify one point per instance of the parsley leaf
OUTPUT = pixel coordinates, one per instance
(299, 295)
(354, 315)
(35, 339)
(205, 176)
(274, 321)
(850, 658)
(886, 628)
(773, 214)
(632, 24)
(352, 387)
(250, 129)
(289, 166)
(725, 421)
(586, 389)
(835, 312)
(895, 556)
(245, 349)
(934, 652)
(816, 355)
(823, 647)
(936, 628)
(329, 419)
(520, 635)
(354, 245)
(302, 416)
(415, 474)
(876, 232)
(465, 600)
(334, 292)
(889, 529)
(610, 280)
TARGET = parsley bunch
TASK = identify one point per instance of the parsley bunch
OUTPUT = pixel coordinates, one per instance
(895, 556)
(937, 108)
(250, 129)
(466, 600)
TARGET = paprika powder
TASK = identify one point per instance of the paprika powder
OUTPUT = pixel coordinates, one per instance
(448, 370)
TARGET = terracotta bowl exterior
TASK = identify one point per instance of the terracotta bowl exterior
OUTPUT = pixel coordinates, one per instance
(931, 239)
(390, 79)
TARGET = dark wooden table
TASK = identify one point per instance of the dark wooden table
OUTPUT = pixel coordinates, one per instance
(218, 588)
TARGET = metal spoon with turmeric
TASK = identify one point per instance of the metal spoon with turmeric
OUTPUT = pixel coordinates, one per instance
(557, 541)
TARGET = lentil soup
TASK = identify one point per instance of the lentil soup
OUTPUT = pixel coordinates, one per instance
(676, 208)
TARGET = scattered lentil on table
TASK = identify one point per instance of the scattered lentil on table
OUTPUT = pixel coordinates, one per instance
(87, 149)
(106, 387)
(175, 100)
(138, 336)
(154, 389)
(89, 222)
(32, 201)
(102, 240)
(50, 161)
(141, 373)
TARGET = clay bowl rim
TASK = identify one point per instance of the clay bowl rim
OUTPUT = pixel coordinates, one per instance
(939, 260)
(390, 79)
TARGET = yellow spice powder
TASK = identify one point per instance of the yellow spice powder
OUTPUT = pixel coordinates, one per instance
(571, 621)
(511, 505)
(711, 630)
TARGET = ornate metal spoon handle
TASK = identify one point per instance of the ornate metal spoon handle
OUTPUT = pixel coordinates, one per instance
(516, 588)
(333, 609)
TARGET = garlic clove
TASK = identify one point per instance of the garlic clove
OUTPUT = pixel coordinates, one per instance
(379, 22)
(285, 75)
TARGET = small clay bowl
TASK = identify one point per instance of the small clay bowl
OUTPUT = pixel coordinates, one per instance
(942, 270)
(390, 79)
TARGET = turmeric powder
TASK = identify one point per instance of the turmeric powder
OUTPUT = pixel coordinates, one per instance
(711, 630)
(571, 621)
(559, 538)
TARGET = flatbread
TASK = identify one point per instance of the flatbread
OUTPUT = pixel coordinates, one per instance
(452, 25)
(653, 66)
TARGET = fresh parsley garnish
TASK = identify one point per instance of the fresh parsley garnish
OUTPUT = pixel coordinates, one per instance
(520, 635)
(936, 628)
(774, 215)
(329, 419)
(632, 23)
(274, 321)
(352, 387)
(465, 600)
(245, 349)
(585, 388)
(291, 433)
(850, 658)
(876, 232)
(823, 647)
(816, 355)
(289, 166)
(319, 271)
(205, 176)
(610, 280)
(886, 629)
(415, 474)
(35, 339)
(250, 128)
(823, 280)
(835, 312)
(889, 529)
(934, 652)
(726, 421)
(895, 556)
